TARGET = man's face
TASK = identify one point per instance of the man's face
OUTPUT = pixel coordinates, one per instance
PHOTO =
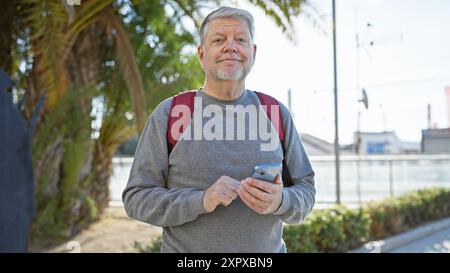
(227, 52)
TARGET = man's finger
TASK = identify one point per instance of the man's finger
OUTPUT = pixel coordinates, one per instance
(263, 185)
(256, 192)
(248, 203)
(231, 183)
(278, 179)
(225, 201)
(229, 194)
(232, 187)
(249, 198)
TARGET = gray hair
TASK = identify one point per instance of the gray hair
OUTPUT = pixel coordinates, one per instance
(228, 12)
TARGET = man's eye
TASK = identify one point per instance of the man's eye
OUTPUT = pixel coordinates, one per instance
(242, 40)
(217, 40)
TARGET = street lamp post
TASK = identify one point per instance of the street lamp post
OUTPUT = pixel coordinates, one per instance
(336, 123)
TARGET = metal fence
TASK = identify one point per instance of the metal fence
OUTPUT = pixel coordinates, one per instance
(363, 178)
(366, 178)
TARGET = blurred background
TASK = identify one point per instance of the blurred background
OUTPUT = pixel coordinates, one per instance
(100, 68)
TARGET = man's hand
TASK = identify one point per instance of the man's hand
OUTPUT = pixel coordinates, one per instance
(261, 196)
(222, 192)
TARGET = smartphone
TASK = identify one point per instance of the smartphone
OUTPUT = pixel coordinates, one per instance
(267, 172)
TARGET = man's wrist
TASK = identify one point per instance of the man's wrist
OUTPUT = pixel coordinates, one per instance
(280, 202)
(206, 203)
(282, 207)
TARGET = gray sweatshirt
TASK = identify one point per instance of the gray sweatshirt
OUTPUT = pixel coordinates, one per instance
(167, 190)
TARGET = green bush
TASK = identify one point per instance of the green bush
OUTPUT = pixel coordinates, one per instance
(386, 217)
(394, 215)
(328, 230)
(298, 238)
(153, 247)
(340, 229)
(356, 228)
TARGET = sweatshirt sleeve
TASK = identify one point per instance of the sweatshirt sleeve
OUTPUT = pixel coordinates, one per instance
(298, 200)
(146, 197)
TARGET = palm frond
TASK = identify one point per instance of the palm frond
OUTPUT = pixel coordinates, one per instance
(46, 20)
(87, 14)
(129, 68)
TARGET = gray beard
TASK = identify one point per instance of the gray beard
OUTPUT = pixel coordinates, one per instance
(237, 75)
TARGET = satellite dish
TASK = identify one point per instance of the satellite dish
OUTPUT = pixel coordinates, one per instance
(365, 99)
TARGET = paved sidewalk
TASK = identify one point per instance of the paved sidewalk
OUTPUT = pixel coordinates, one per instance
(438, 242)
(113, 233)
(430, 237)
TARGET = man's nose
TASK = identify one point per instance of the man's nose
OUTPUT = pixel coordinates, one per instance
(230, 46)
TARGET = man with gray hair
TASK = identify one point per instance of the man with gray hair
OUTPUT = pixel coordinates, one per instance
(200, 190)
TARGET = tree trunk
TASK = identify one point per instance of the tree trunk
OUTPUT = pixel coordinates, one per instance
(72, 176)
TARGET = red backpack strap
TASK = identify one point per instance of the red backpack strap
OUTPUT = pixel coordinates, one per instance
(185, 98)
(269, 101)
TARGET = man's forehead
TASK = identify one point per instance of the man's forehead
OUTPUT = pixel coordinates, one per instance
(228, 22)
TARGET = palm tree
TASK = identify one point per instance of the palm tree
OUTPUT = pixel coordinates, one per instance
(82, 59)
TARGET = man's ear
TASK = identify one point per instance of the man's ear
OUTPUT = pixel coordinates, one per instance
(200, 53)
(254, 52)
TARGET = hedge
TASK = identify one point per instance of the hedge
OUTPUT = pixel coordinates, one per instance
(339, 229)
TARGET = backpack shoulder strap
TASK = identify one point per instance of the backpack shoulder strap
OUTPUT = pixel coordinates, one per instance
(268, 102)
(187, 99)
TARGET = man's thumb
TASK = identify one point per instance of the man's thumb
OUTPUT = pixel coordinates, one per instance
(278, 179)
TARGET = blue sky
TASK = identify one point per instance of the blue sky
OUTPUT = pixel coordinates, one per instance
(407, 68)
